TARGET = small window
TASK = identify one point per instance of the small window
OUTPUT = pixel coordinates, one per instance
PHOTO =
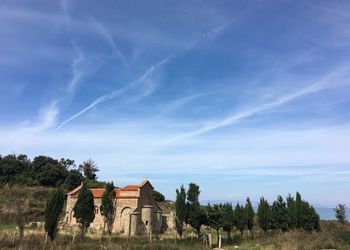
(146, 222)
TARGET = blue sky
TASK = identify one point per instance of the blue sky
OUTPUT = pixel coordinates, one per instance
(245, 98)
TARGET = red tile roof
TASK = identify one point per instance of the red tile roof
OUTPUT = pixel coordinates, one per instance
(98, 192)
(130, 188)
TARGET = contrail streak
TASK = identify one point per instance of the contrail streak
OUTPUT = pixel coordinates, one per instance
(320, 85)
(117, 92)
(149, 72)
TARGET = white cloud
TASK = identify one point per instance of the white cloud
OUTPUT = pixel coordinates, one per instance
(77, 71)
(47, 119)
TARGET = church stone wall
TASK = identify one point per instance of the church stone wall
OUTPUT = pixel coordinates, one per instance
(136, 211)
(121, 204)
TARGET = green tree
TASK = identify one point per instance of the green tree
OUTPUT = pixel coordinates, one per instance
(227, 219)
(215, 218)
(180, 209)
(250, 215)
(84, 209)
(279, 212)
(340, 213)
(264, 215)
(299, 210)
(12, 166)
(311, 220)
(107, 207)
(159, 197)
(48, 171)
(196, 216)
(306, 216)
(316, 219)
(240, 218)
(89, 169)
(67, 163)
(292, 212)
(73, 179)
(54, 207)
(193, 193)
(52, 175)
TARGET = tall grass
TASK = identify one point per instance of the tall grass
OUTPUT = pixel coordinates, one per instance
(332, 236)
(36, 241)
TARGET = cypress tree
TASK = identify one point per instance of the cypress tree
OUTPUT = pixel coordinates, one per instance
(340, 213)
(299, 210)
(196, 216)
(292, 212)
(193, 193)
(311, 220)
(264, 215)
(250, 215)
(215, 217)
(308, 220)
(54, 207)
(84, 209)
(240, 218)
(316, 220)
(180, 209)
(227, 219)
(279, 215)
(107, 206)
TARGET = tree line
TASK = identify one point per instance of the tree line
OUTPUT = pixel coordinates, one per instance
(45, 171)
(281, 215)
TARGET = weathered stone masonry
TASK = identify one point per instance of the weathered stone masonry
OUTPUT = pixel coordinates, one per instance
(136, 210)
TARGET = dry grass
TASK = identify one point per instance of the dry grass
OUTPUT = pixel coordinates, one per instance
(35, 240)
(32, 200)
(332, 236)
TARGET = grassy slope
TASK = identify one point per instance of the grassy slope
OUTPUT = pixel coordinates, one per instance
(32, 200)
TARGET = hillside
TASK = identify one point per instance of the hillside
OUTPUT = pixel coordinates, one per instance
(32, 200)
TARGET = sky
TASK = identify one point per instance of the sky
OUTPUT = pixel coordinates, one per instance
(244, 98)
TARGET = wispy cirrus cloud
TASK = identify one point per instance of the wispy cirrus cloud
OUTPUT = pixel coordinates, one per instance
(117, 92)
(334, 79)
(77, 71)
(107, 36)
(47, 119)
(149, 72)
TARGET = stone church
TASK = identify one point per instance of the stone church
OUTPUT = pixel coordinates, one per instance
(137, 212)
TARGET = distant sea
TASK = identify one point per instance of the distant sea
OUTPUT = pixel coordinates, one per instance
(328, 213)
